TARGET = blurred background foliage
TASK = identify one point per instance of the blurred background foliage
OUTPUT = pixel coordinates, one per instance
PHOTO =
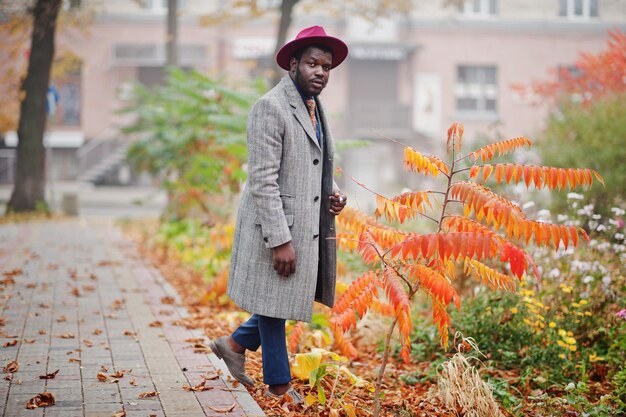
(190, 134)
(592, 136)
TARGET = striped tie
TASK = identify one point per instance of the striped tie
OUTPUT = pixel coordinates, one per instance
(310, 103)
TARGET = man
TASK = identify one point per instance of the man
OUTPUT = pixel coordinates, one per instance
(284, 252)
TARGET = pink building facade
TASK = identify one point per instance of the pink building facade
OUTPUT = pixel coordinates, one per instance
(408, 76)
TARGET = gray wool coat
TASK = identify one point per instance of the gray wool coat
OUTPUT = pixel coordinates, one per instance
(286, 198)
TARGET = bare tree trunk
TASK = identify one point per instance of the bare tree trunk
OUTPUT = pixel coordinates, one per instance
(286, 17)
(29, 188)
(172, 33)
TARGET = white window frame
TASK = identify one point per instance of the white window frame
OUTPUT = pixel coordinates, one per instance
(484, 8)
(480, 90)
(570, 9)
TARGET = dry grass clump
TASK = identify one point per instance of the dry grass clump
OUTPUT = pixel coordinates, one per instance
(461, 388)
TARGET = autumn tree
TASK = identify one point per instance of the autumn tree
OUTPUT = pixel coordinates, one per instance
(29, 188)
(28, 62)
(587, 122)
(475, 231)
(234, 11)
(589, 79)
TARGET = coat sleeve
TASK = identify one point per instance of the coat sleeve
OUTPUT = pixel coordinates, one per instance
(266, 129)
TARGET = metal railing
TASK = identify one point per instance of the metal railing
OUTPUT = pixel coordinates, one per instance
(96, 150)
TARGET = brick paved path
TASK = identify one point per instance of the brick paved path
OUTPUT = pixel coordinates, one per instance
(84, 300)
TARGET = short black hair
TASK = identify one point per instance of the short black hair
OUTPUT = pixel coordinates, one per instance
(298, 54)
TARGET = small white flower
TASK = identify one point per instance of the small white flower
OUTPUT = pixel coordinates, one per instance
(571, 386)
(619, 248)
(619, 236)
(561, 217)
(618, 211)
(596, 217)
(574, 196)
(593, 242)
(584, 294)
(601, 228)
(588, 279)
(554, 273)
(592, 224)
(543, 213)
(613, 222)
(574, 204)
(606, 280)
(528, 205)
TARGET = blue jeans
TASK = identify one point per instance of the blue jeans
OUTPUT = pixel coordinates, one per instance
(269, 333)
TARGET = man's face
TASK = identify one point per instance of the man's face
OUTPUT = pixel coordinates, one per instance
(312, 72)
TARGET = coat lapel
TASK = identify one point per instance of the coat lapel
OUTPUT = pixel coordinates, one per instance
(299, 109)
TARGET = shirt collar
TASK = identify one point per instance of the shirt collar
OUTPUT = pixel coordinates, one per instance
(304, 97)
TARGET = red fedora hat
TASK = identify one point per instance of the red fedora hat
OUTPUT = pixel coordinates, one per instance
(314, 35)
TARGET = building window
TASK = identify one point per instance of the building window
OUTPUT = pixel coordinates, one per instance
(578, 9)
(477, 89)
(479, 7)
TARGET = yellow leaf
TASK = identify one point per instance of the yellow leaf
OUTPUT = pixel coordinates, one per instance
(349, 408)
(305, 363)
(356, 380)
(310, 400)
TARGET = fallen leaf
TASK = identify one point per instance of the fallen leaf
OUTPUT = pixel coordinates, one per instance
(87, 342)
(210, 377)
(93, 277)
(117, 304)
(104, 368)
(42, 332)
(129, 333)
(120, 413)
(75, 292)
(44, 305)
(29, 341)
(156, 323)
(108, 263)
(148, 394)
(74, 360)
(102, 377)
(166, 312)
(118, 374)
(201, 348)
(224, 410)
(196, 340)
(9, 377)
(31, 285)
(45, 399)
(61, 319)
(89, 288)
(133, 383)
(12, 273)
(66, 336)
(11, 367)
(9, 344)
(96, 332)
(168, 300)
(200, 387)
(49, 376)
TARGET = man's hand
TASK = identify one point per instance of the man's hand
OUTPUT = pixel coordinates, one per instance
(284, 257)
(337, 203)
